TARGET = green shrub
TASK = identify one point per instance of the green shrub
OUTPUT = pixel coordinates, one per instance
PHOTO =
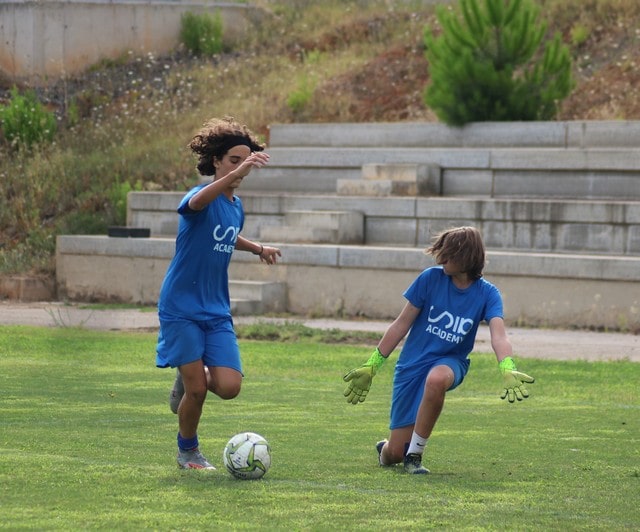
(300, 97)
(579, 35)
(25, 121)
(487, 64)
(202, 34)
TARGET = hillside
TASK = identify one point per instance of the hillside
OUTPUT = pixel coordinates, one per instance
(388, 86)
(124, 123)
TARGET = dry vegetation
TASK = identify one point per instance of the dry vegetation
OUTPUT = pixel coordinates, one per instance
(124, 124)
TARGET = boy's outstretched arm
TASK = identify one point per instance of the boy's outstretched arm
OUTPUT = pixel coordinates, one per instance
(359, 379)
(513, 380)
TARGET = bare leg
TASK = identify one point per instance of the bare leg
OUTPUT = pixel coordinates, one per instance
(195, 392)
(438, 381)
(224, 382)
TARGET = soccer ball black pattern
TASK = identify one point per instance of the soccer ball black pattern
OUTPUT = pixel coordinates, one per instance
(247, 456)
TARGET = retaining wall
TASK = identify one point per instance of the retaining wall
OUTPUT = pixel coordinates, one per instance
(43, 41)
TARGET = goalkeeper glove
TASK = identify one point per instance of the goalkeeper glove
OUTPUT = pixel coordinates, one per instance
(359, 379)
(514, 380)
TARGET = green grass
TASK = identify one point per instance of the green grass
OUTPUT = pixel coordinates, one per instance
(87, 442)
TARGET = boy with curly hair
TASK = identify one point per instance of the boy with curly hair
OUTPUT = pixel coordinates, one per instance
(196, 328)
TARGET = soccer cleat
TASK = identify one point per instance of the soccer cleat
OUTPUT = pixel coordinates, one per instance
(192, 459)
(413, 464)
(176, 393)
(379, 447)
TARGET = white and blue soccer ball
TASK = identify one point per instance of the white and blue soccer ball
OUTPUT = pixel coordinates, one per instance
(247, 456)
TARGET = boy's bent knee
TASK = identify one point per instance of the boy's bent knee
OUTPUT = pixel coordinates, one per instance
(394, 452)
(228, 391)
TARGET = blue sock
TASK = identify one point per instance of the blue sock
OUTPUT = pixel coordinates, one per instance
(187, 444)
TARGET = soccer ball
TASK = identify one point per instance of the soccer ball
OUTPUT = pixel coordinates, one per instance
(247, 456)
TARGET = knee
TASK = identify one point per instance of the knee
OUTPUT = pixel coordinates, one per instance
(197, 395)
(439, 382)
(228, 390)
(395, 451)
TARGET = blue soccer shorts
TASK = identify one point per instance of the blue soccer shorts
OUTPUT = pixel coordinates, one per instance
(408, 389)
(182, 341)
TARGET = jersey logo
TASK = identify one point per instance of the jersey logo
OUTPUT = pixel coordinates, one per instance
(448, 327)
(225, 241)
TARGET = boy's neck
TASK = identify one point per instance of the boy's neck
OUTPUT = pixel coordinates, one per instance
(461, 280)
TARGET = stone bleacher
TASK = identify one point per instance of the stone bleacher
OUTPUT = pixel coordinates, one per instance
(352, 206)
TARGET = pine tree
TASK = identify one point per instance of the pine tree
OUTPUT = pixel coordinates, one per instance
(488, 64)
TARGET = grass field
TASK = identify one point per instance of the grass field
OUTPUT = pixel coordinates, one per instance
(87, 442)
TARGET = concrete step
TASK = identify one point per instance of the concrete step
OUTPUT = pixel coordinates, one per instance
(542, 289)
(257, 297)
(298, 178)
(300, 235)
(576, 134)
(394, 180)
(322, 227)
(378, 188)
(544, 225)
(494, 172)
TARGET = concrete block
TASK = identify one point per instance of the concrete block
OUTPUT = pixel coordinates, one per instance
(254, 224)
(421, 134)
(603, 134)
(299, 235)
(428, 228)
(337, 227)
(445, 207)
(514, 134)
(456, 182)
(402, 134)
(390, 206)
(154, 201)
(263, 204)
(348, 226)
(566, 159)
(309, 254)
(305, 180)
(391, 231)
(632, 246)
(362, 187)
(381, 257)
(263, 296)
(421, 179)
(160, 223)
(354, 158)
(568, 185)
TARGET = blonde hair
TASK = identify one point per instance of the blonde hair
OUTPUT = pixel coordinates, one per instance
(462, 245)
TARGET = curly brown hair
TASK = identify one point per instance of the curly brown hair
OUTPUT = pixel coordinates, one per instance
(462, 245)
(216, 137)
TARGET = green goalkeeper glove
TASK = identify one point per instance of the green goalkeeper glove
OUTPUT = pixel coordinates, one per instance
(514, 380)
(359, 379)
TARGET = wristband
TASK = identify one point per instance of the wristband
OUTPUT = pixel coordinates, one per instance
(261, 250)
(376, 360)
(507, 364)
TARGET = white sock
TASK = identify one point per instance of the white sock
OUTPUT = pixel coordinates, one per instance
(417, 445)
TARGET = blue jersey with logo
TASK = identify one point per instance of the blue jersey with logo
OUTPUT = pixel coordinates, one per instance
(448, 321)
(196, 285)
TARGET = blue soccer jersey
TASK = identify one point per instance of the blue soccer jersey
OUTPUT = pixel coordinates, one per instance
(196, 285)
(448, 321)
